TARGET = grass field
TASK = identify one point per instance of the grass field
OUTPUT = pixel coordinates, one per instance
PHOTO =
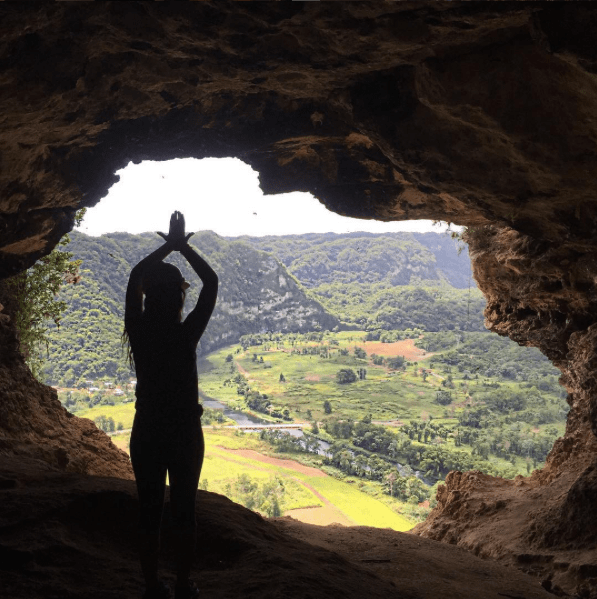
(359, 508)
(225, 462)
(311, 380)
(299, 375)
(124, 413)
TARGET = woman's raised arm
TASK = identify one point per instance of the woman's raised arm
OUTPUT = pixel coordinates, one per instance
(197, 320)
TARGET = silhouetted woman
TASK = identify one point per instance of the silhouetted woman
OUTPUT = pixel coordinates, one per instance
(167, 435)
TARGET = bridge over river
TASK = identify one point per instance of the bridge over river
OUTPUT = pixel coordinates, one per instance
(259, 427)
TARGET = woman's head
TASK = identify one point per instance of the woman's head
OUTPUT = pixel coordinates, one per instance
(164, 289)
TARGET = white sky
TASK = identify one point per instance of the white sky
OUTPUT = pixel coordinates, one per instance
(221, 195)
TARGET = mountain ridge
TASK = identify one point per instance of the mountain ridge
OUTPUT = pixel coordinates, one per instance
(266, 284)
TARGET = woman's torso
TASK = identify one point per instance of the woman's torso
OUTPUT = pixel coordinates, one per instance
(166, 368)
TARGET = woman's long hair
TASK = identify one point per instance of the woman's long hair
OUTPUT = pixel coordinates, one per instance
(162, 308)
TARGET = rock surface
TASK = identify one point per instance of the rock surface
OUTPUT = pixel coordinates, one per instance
(478, 113)
(67, 535)
(34, 425)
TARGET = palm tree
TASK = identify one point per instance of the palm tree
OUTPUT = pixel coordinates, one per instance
(390, 479)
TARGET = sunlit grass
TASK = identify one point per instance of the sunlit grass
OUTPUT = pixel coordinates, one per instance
(358, 506)
(222, 467)
(124, 413)
(311, 380)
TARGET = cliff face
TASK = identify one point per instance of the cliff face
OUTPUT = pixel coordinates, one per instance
(478, 113)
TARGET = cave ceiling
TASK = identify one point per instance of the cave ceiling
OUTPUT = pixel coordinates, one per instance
(474, 113)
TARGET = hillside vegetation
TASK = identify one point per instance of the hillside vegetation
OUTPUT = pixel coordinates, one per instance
(256, 294)
(384, 282)
(380, 283)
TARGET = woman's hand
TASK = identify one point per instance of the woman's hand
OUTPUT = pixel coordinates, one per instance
(176, 236)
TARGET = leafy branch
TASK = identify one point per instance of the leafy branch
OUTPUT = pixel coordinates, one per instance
(34, 293)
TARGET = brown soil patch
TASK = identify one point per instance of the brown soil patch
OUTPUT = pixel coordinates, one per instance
(242, 370)
(405, 348)
(313, 377)
(322, 516)
(290, 464)
(122, 442)
(389, 422)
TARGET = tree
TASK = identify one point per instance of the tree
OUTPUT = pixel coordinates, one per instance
(395, 362)
(360, 353)
(229, 358)
(327, 407)
(34, 294)
(443, 397)
(345, 376)
(391, 478)
(377, 360)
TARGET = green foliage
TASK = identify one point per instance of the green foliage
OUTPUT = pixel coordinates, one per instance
(259, 298)
(392, 258)
(443, 397)
(381, 283)
(469, 432)
(265, 498)
(34, 295)
(107, 424)
(89, 343)
(395, 362)
(480, 354)
(345, 376)
(360, 353)
(327, 407)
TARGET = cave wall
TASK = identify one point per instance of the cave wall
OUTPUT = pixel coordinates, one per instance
(482, 114)
(35, 426)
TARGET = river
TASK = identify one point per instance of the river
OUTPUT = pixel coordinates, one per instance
(243, 419)
(240, 418)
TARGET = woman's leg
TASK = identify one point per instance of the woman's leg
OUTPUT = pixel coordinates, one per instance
(150, 475)
(184, 471)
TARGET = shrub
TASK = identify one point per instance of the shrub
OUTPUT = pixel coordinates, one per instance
(345, 376)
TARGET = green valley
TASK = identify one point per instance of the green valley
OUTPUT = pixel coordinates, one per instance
(372, 344)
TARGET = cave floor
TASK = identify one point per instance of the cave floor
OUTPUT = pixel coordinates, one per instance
(68, 536)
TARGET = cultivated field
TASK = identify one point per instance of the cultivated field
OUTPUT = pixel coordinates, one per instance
(312, 496)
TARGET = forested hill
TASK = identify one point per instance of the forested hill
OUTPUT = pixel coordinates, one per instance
(392, 258)
(384, 282)
(380, 283)
(256, 294)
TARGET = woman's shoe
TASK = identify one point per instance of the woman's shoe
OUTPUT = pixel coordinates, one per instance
(162, 591)
(190, 591)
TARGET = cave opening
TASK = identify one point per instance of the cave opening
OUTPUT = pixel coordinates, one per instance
(475, 114)
(161, 187)
(221, 195)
